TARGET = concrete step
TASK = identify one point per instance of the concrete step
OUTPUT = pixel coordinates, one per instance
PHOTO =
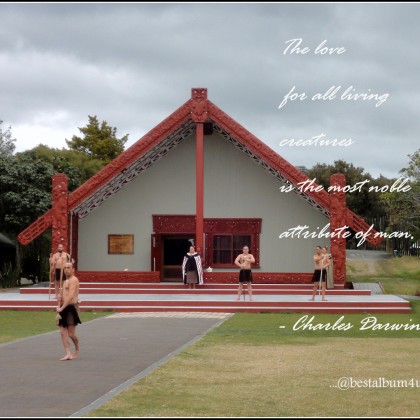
(181, 286)
(199, 290)
(228, 304)
(146, 297)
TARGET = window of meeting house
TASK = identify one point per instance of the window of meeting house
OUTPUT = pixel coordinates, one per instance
(226, 247)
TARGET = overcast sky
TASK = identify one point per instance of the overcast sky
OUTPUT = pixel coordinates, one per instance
(133, 64)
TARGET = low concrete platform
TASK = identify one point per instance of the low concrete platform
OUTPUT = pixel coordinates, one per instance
(163, 297)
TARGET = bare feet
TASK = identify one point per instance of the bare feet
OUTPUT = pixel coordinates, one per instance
(325, 300)
(238, 298)
(75, 354)
(66, 357)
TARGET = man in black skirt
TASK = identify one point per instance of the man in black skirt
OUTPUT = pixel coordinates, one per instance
(244, 261)
(320, 273)
(68, 312)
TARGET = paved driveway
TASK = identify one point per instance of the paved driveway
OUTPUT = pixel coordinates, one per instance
(361, 254)
(115, 351)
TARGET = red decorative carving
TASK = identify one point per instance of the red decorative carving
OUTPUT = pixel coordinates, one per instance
(199, 104)
(251, 226)
(142, 146)
(156, 254)
(359, 225)
(119, 276)
(234, 226)
(213, 277)
(164, 224)
(60, 232)
(259, 278)
(254, 246)
(142, 164)
(266, 153)
(338, 220)
(173, 223)
(36, 228)
(281, 165)
(200, 109)
(181, 223)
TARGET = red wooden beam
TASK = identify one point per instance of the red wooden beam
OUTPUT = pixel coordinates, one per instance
(199, 115)
(337, 221)
(60, 223)
(199, 226)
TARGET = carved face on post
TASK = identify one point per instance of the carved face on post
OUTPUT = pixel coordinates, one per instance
(199, 104)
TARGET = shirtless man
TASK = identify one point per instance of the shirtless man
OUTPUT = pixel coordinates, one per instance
(320, 264)
(57, 262)
(244, 261)
(67, 310)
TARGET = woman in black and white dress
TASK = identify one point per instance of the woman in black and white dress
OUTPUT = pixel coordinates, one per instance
(192, 269)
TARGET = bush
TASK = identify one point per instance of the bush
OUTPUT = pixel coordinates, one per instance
(10, 276)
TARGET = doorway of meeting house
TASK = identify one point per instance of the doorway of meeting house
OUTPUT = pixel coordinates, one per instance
(174, 247)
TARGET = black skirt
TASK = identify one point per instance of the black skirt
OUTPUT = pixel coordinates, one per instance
(69, 316)
(317, 275)
(245, 276)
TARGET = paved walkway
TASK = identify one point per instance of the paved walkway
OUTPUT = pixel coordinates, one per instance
(362, 254)
(115, 351)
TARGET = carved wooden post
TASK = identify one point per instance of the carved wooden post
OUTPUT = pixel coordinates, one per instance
(338, 211)
(199, 116)
(74, 232)
(60, 231)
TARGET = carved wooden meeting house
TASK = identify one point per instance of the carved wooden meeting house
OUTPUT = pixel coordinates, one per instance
(197, 176)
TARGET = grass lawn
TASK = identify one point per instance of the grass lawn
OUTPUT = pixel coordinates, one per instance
(249, 367)
(20, 324)
(397, 275)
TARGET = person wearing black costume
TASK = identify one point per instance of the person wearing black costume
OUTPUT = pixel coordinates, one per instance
(68, 312)
(192, 269)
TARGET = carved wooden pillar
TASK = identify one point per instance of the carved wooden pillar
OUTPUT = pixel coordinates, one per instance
(338, 211)
(199, 227)
(74, 231)
(199, 116)
(60, 225)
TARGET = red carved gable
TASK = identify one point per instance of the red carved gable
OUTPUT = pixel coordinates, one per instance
(196, 109)
(281, 165)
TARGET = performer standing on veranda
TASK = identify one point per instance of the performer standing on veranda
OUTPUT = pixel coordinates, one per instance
(192, 269)
(320, 273)
(244, 261)
(57, 262)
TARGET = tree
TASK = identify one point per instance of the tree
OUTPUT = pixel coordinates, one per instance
(25, 194)
(404, 207)
(413, 169)
(98, 141)
(364, 203)
(76, 165)
(7, 146)
(25, 186)
(26, 183)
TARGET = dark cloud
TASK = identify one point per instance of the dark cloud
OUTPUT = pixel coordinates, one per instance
(132, 64)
